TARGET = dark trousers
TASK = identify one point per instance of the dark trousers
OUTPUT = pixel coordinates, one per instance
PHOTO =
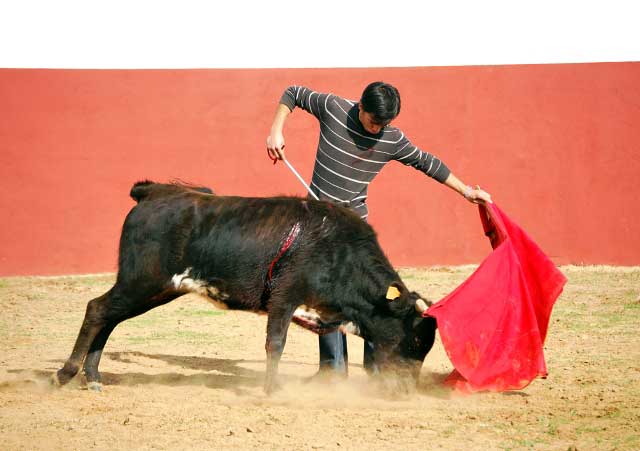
(334, 355)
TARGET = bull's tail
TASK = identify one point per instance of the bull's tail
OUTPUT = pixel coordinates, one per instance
(143, 189)
(140, 190)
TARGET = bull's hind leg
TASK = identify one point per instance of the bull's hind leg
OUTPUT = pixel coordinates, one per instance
(92, 360)
(91, 326)
(103, 314)
(90, 368)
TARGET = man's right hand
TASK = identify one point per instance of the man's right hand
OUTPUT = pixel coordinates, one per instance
(275, 145)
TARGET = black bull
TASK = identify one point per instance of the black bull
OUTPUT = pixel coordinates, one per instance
(305, 260)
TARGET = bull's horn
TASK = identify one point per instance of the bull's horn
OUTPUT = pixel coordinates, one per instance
(421, 305)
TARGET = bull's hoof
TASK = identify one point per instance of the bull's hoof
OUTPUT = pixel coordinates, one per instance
(54, 380)
(94, 386)
(396, 387)
(60, 378)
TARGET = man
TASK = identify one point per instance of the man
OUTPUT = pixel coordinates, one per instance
(356, 141)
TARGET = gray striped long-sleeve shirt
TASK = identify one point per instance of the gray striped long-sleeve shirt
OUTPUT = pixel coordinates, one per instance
(349, 157)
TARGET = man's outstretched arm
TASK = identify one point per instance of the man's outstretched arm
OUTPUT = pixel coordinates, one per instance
(474, 195)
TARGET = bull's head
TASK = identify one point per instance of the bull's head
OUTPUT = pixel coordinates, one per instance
(401, 336)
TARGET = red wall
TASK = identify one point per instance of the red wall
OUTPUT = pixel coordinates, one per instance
(556, 145)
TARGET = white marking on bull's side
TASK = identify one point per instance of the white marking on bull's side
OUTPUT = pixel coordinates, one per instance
(311, 316)
(350, 328)
(307, 313)
(184, 282)
(177, 278)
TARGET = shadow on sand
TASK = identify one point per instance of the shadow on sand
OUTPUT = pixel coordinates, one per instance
(215, 373)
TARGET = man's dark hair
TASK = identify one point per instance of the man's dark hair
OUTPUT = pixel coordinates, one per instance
(382, 101)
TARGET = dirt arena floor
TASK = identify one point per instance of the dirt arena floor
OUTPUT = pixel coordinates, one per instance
(187, 376)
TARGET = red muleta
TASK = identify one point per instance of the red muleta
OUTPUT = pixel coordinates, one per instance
(493, 326)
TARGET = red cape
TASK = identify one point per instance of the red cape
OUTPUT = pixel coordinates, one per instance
(493, 326)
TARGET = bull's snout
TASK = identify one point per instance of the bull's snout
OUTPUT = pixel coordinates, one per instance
(399, 380)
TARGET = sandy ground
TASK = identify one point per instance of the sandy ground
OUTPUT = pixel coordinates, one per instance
(187, 376)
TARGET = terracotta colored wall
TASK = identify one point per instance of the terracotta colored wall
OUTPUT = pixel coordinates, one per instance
(556, 145)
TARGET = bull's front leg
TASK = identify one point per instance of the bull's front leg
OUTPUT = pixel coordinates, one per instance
(277, 327)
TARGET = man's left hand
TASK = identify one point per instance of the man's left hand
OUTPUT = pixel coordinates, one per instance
(477, 195)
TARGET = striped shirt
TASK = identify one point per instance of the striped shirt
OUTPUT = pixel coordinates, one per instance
(349, 157)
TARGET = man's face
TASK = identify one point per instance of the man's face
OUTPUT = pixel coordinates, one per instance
(368, 122)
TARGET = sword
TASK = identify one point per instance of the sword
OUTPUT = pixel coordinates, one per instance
(275, 160)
